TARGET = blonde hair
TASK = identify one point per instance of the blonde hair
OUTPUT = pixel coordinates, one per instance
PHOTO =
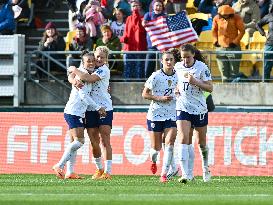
(103, 49)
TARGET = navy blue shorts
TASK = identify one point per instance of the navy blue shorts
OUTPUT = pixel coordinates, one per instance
(93, 119)
(73, 121)
(160, 126)
(200, 120)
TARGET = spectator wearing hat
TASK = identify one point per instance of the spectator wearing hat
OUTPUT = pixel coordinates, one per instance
(227, 30)
(112, 42)
(51, 41)
(80, 42)
(7, 23)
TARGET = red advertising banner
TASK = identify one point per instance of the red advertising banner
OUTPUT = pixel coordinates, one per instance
(240, 144)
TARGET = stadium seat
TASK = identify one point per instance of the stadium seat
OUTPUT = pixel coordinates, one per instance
(199, 16)
(69, 37)
(260, 66)
(265, 27)
(205, 41)
(191, 9)
(246, 64)
(245, 41)
(257, 44)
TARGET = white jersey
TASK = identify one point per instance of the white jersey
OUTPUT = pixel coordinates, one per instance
(100, 92)
(162, 84)
(80, 99)
(117, 28)
(191, 98)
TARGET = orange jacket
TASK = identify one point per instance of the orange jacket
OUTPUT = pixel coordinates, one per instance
(227, 31)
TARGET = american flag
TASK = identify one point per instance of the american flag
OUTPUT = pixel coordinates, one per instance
(171, 31)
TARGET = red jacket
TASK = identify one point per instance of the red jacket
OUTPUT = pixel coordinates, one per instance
(134, 36)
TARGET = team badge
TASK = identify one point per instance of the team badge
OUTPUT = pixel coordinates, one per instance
(170, 83)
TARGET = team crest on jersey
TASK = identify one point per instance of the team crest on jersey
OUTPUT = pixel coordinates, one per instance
(170, 83)
(152, 125)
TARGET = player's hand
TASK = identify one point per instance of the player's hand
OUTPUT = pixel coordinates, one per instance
(165, 99)
(78, 84)
(71, 69)
(192, 79)
(102, 112)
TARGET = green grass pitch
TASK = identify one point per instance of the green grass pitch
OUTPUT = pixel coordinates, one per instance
(47, 189)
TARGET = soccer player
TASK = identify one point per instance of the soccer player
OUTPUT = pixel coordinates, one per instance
(191, 110)
(99, 128)
(74, 113)
(159, 88)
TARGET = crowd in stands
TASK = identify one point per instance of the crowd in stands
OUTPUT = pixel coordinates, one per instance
(119, 25)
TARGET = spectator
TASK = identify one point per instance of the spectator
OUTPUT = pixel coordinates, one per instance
(51, 41)
(71, 13)
(118, 25)
(116, 4)
(268, 63)
(7, 23)
(134, 39)
(206, 6)
(80, 42)
(112, 42)
(157, 11)
(25, 13)
(227, 30)
(94, 18)
(250, 13)
(264, 7)
(175, 6)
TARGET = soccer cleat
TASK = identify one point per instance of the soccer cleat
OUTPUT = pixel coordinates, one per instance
(98, 174)
(105, 176)
(163, 179)
(58, 171)
(206, 176)
(153, 168)
(73, 176)
(172, 174)
(183, 180)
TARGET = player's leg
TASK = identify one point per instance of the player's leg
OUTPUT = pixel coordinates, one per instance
(105, 127)
(170, 134)
(191, 156)
(92, 126)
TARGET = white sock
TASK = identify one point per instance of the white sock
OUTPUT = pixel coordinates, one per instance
(69, 151)
(191, 160)
(204, 152)
(108, 166)
(98, 163)
(167, 158)
(163, 147)
(71, 163)
(184, 159)
(153, 155)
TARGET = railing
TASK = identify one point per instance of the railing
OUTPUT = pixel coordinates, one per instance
(249, 58)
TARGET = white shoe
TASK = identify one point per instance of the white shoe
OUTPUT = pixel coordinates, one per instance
(206, 176)
(172, 174)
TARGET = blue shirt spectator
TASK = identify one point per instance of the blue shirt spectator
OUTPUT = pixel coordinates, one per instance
(7, 23)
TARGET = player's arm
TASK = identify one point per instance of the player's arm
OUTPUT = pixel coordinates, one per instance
(84, 76)
(147, 94)
(84, 94)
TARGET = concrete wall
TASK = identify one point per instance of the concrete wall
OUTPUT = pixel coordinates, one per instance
(128, 93)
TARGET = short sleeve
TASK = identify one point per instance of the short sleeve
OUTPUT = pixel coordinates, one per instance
(205, 74)
(101, 72)
(150, 83)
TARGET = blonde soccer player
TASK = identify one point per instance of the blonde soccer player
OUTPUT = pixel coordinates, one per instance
(74, 113)
(191, 110)
(159, 88)
(99, 128)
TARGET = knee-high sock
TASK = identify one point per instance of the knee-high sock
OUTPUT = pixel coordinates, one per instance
(191, 160)
(98, 163)
(167, 158)
(204, 152)
(71, 163)
(184, 159)
(69, 151)
(108, 166)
